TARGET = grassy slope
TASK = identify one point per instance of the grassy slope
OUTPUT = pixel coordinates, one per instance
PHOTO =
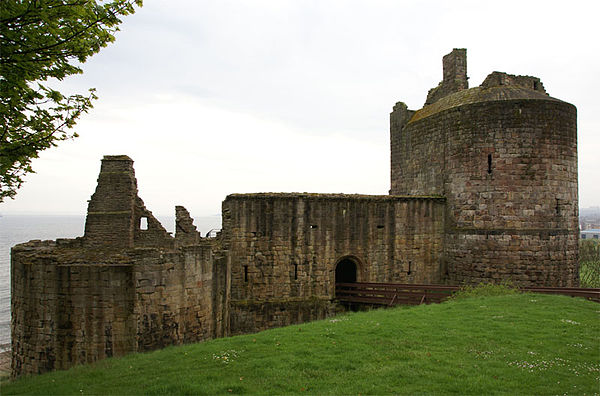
(512, 344)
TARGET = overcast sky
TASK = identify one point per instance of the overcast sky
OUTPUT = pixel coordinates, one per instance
(217, 97)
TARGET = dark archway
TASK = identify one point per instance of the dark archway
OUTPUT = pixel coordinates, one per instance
(345, 271)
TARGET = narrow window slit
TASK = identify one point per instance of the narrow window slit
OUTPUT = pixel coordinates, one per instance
(295, 271)
(143, 223)
(245, 273)
(489, 170)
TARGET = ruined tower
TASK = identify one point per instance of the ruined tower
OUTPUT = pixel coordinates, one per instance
(504, 155)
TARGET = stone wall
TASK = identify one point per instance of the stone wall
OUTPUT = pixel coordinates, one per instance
(174, 296)
(68, 311)
(284, 250)
(512, 193)
(417, 156)
(73, 307)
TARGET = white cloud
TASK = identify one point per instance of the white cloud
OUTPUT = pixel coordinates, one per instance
(215, 97)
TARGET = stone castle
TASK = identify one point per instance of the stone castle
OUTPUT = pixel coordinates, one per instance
(483, 189)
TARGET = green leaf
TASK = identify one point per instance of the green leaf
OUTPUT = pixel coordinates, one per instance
(41, 40)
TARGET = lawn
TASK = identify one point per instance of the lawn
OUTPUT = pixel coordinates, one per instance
(507, 344)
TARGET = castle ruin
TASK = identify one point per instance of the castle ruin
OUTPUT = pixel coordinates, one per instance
(483, 189)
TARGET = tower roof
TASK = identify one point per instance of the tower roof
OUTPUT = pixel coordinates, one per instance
(480, 94)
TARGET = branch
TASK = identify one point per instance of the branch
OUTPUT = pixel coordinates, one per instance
(77, 34)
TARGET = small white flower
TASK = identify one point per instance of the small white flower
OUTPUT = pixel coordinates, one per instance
(569, 321)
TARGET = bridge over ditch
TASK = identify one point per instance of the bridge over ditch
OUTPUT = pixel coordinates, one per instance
(390, 294)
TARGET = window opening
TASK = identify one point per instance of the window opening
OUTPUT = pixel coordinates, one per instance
(143, 223)
(409, 268)
(295, 271)
(489, 170)
(245, 273)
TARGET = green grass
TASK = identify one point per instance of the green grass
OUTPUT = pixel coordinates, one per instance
(589, 263)
(486, 290)
(505, 344)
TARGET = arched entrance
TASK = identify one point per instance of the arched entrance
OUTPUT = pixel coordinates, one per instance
(346, 271)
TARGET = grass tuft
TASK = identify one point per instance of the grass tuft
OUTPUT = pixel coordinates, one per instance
(486, 290)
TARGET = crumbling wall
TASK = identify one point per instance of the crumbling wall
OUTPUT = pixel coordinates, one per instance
(123, 287)
(496, 79)
(454, 76)
(284, 249)
(185, 230)
(117, 217)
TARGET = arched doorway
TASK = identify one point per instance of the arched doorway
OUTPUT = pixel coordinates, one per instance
(346, 271)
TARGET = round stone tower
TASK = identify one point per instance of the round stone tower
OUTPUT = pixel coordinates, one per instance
(504, 155)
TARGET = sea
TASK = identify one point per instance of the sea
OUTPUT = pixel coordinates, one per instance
(15, 229)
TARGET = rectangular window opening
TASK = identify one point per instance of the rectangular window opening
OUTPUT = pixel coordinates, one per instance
(143, 223)
(246, 273)
(489, 170)
(295, 271)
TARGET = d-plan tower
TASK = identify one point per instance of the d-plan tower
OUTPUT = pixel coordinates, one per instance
(483, 188)
(504, 155)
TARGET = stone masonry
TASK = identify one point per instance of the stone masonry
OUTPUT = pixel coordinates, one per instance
(504, 155)
(483, 189)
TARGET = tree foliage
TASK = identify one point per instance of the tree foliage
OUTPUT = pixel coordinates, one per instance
(42, 41)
